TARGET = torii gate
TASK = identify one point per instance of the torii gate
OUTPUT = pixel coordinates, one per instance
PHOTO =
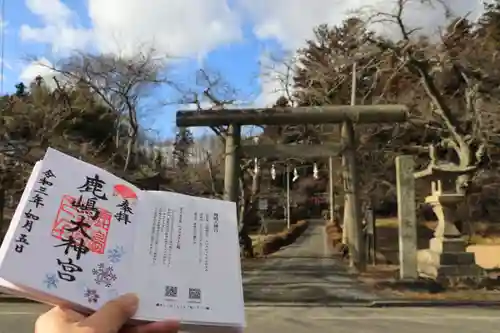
(347, 115)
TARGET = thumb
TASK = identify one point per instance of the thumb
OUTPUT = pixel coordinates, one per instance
(113, 315)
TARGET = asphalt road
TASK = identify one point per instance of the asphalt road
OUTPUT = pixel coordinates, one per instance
(284, 291)
(19, 318)
(302, 273)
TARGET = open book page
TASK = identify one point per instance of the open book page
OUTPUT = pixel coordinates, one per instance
(189, 252)
(73, 237)
(16, 218)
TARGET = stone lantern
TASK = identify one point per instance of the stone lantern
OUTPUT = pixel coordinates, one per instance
(446, 256)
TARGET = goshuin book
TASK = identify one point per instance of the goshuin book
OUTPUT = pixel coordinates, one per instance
(81, 236)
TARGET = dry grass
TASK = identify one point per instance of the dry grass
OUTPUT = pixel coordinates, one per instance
(272, 243)
(385, 280)
(455, 295)
(487, 255)
(483, 232)
(485, 242)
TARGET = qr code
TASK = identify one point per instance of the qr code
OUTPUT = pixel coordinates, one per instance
(195, 294)
(170, 291)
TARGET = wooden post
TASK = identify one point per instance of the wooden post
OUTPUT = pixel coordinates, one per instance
(231, 165)
(331, 190)
(407, 219)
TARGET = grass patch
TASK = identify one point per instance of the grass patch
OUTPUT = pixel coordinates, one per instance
(384, 279)
(266, 245)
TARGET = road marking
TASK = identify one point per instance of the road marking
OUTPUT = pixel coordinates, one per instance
(405, 318)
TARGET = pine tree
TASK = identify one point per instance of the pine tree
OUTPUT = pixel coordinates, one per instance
(183, 141)
(20, 89)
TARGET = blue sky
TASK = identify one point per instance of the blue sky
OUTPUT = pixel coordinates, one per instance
(227, 36)
(237, 61)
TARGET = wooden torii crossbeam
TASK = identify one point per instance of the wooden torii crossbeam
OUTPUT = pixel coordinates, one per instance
(347, 115)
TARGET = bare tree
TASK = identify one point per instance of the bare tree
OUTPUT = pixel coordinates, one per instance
(457, 78)
(212, 92)
(125, 85)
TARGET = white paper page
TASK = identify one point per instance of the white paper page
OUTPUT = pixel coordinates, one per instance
(196, 276)
(48, 261)
(16, 218)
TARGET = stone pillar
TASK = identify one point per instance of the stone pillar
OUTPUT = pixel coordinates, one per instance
(352, 216)
(232, 163)
(406, 217)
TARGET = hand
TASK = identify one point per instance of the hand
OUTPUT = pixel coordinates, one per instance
(111, 318)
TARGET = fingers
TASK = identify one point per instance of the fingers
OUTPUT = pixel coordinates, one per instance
(113, 315)
(62, 315)
(57, 319)
(157, 327)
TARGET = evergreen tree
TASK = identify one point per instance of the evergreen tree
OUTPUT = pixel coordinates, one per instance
(20, 89)
(183, 141)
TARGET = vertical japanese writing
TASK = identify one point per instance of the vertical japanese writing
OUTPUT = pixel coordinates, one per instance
(216, 222)
(156, 232)
(123, 215)
(41, 191)
(67, 270)
(95, 186)
(153, 235)
(79, 236)
(82, 219)
(167, 253)
(207, 233)
(200, 244)
(170, 237)
(195, 235)
(179, 228)
(88, 205)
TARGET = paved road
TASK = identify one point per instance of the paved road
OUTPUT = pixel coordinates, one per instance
(277, 288)
(303, 272)
(19, 318)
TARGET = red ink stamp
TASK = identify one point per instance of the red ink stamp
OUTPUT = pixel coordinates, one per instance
(125, 192)
(98, 230)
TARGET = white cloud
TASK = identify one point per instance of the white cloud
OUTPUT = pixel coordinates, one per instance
(275, 79)
(291, 22)
(179, 27)
(191, 28)
(50, 11)
(40, 67)
(175, 27)
(58, 26)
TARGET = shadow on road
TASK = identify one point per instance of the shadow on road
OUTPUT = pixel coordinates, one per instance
(307, 280)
